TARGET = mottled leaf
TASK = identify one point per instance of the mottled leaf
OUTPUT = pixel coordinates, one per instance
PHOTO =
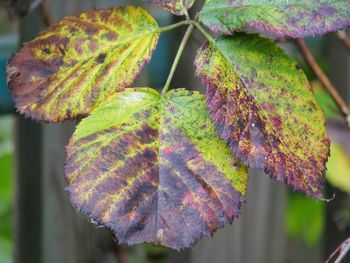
(338, 166)
(74, 65)
(177, 7)
(263, 106)
(291, 18)
(153, 169)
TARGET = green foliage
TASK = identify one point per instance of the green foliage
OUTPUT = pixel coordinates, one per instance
(305, 219)
(5, 251)
(154, 168)
(338, 168)
(6, 196)
(325, 101)
(5, 191)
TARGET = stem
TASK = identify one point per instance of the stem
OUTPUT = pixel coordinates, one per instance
(342, 250)
(120, 251)
(177, 58)
(204, 32)
(327, 84)
(345, 39)
(46, 13)
(173, 26)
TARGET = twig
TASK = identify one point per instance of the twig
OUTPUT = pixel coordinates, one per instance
(121, 253)
(341, 251)
(327, 84)
(343, 36)
(46, 13)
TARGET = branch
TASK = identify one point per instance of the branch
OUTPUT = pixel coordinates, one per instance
(343, 36)
(120, 251)
(341, 251)
(46, 13)
(327, 84)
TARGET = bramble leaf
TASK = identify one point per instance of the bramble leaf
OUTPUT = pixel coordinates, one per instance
(282, 18)
(74, 65)
(264, 108)
(177, 7)
(153, 169)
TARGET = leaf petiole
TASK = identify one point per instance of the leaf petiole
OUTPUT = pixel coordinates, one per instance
(178, 55)
(203, 31)
(173, 26)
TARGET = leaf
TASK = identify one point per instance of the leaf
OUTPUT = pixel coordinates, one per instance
(154, 171)
(305, 219)
(177, 7)
(76, 64)
(6, 192)
(325, 101)
(281, 18)
(6, 250)
(338, 166)
(264, 108)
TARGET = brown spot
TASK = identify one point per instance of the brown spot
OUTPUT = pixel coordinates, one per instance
(101, 58)
(47, 50)
(111, 36)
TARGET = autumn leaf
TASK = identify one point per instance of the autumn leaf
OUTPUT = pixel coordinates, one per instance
(264, 108)
(282, 18)
(177, 7)
(73, 66)
(153, 169)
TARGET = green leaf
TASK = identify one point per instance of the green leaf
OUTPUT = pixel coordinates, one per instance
(338, 166)
(6, 197)
(6, 251)
(291, 18)
(153, 169)
(325, 101)
(264, 108)
(305, 219)
(177, 7)
(73, 66)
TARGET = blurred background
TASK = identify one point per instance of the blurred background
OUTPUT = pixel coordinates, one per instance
(38, 224)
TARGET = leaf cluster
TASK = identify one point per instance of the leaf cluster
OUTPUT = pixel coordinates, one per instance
(170, 168)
